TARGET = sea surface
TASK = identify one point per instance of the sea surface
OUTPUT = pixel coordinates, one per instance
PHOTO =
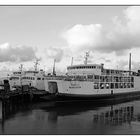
(73, 118)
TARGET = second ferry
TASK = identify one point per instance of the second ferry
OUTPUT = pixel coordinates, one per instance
(92, 82)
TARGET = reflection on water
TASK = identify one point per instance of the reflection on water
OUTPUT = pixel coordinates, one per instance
(79, 118)
(116, 116)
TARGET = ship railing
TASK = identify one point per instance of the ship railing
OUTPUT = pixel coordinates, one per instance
(70, 78)
(78, 78)
(120, 74)
(55, 77)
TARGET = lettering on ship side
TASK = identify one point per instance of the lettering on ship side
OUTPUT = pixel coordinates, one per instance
(74, 86)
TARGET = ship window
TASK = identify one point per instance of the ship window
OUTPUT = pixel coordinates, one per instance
(117, 79)
(132, 85)
(121, 85)
(106, 78)
(14, 78)
(107, 85)
(101, 85)
(90, 76)
(96, 77)
(107, 71)
(96, 85)
(116, 85)
(122, 79)
(110, 78)
(124, 85)
(38, 78)
(128, 85)
(132, 79)
(125, 79)
(112, 71)
(42, 78)
(112, 85)
(102, 78)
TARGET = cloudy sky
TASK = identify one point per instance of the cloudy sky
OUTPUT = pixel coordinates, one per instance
(109, 33)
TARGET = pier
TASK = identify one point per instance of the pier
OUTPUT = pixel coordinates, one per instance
(21, 93)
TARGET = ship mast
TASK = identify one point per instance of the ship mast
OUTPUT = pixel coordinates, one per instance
(129, 63)
(86, 58)
(21, 68)
(36, 64)
(71, 61)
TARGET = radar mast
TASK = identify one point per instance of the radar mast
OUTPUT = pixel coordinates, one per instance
(86, 58)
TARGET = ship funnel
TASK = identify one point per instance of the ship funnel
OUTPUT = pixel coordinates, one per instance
(72, 61)
(54, 73)
(129, 63)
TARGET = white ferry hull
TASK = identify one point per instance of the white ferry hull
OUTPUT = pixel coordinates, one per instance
(64, 97)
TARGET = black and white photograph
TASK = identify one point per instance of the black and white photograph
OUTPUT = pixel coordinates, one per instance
(69, 69)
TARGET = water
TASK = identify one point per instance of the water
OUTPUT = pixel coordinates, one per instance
(80, 118)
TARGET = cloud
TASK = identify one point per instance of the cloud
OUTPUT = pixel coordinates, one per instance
(80, 36)
(124, 35)
(55, 53)
(20, 53)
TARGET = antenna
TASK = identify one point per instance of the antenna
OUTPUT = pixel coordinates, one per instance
(54, 73)
(21, 67)
(36, 63)
(129, 63)
(71, 61)
(86, 58)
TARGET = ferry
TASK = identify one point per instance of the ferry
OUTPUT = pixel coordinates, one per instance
(33, 78)
(94, 82)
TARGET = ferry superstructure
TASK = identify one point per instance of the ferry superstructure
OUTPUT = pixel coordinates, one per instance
(15, 79)
(34, 79)
(88, 81)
